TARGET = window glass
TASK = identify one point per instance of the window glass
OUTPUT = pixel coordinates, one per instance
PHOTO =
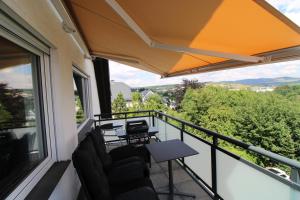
(22, 138)
(80, 89)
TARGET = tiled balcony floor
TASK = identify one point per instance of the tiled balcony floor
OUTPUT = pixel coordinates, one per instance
(182, 181)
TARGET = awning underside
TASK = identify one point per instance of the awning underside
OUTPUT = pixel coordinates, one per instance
(242, 28)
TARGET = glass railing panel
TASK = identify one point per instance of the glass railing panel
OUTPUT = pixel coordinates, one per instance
(172, 132)
(238, 180)
(200, 163)
(161, 125)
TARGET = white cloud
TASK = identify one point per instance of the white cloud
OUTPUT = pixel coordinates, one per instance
(290, 8)
(18, 77)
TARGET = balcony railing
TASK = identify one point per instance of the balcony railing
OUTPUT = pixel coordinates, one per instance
(221, 173)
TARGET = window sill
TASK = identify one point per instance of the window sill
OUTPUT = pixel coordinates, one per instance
(44, 188)
(84, 128)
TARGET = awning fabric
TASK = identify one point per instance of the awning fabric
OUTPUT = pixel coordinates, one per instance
(243, 27)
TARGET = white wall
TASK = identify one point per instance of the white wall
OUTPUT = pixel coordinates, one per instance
(40, 15)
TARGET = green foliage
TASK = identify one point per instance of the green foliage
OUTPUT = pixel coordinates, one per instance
(270, 120)
(119, 104)
(80, 116)
(12, 102)
(137, 103)
(5, 116)
(291, 92)
(154, 102)
(266, 119)
(181, 89)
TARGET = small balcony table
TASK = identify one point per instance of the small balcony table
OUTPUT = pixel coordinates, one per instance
(168, 151)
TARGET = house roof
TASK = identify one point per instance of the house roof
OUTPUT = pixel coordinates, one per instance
(146, 94)
(175, 37)
(120, 87)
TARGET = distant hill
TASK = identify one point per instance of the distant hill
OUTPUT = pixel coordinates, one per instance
(266, 81)
(157, 88)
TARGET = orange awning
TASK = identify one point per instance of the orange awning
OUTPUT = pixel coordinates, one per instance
(175, 37)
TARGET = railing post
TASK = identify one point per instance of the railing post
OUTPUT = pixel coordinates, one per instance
(166, 119)
(295, 175)
(149, 116)
(182, 139)
(214, 167)
(153, 123)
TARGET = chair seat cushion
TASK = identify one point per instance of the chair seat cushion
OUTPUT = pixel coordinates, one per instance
(144, 193)
(127, 172)
(122, 188)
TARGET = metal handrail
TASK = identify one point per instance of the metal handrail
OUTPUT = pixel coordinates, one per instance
(290, 162)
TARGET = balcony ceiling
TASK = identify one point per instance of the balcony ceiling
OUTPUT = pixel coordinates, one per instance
(245, 29)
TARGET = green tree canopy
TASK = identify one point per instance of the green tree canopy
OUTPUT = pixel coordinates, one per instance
(181, 89)
(269, 120)
(119, 104)
(154, 102)
(137, 103)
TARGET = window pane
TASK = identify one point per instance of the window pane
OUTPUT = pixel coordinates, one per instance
(22, 141)
(80, 107)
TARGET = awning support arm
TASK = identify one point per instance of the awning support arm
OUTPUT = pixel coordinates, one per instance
(137, 29)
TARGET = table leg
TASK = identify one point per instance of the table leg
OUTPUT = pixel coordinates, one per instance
(171, 192)
(171, 185)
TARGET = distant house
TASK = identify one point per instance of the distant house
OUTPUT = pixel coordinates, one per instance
(262, 89)
(123, 88)
(146, 94)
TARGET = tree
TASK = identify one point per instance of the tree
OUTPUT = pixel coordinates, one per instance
(119, 104)
(5, 116)
(291, 92)
(154, 102)
(181, 89)
(80, 116)
(12, 105)
(268, 120)
(137, 103)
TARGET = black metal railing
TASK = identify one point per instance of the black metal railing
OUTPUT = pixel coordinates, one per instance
(184, 127)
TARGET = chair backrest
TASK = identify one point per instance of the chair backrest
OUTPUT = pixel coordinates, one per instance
(90, 171)
(136, 127)
(100, 148)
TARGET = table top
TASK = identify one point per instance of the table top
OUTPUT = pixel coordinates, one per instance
(151, 132)
(110, 126)
(170, 150)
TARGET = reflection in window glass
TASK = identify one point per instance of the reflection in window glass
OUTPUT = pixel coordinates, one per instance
(80, 98)
(22, 141)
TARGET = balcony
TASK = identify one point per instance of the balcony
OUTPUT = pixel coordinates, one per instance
(215, 173)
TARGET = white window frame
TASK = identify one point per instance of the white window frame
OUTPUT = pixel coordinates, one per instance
(86, 97)
(17, 34)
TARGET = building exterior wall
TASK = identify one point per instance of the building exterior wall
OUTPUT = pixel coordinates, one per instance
(41, 16)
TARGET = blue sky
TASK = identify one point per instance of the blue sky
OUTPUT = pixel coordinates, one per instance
(136, 78)
(21, 76)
